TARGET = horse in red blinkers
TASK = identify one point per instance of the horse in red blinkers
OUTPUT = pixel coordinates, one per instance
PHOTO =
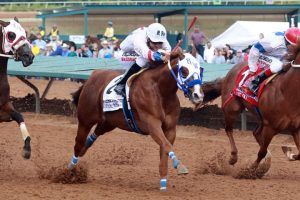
(153, 101)
(14, 45)
(277, 107)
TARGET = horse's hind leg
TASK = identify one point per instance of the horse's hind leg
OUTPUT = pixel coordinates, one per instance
(231, 112)
(100, 129)
(16, 116)
(82, 132)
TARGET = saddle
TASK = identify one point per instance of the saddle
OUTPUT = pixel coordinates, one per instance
(113, 101)
(243, 80)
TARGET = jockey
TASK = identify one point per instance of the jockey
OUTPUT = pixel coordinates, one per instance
(269, 52)
(146, 42)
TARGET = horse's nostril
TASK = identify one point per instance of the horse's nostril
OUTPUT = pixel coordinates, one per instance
(196, 96)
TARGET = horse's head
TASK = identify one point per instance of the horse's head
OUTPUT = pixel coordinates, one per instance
(14, 41)
(189, 77)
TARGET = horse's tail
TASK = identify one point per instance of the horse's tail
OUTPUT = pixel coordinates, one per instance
(76, 95)
(212, 90)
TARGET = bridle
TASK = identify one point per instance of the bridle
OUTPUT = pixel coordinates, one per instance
(13, 45)
(184, 85)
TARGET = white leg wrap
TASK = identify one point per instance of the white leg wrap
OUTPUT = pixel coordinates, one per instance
(290, 155)
(24, 131)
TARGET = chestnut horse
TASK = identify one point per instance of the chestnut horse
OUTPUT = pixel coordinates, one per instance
(15, 46)
(278, 107)
(154, 104)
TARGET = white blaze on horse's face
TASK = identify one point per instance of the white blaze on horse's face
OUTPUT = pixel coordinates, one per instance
(190, 80)
(14, 36)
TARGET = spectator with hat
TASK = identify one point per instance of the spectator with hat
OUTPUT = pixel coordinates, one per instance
(65, 50)
(109, 31)
(49, 49)
(106, 51)
(238, 57)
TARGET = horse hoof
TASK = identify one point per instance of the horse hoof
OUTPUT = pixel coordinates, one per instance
(288, 152)
(71, 166)
(181, 169)
(232, 161)
(27, 148)
(264, 167)
(26, 154)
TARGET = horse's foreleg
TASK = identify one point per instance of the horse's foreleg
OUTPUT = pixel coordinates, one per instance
(163, 169)
(26, 137)
(100, 129)
(257, 133)
(80, 139)
(231, 113)
(15, 116)
(166, 150)
(267, 134)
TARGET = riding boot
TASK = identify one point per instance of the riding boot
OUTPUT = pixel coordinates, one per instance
(120, 87)
(254, 85)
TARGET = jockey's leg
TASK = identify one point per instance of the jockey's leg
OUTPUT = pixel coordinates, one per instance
(275, 66)
(254, 85)
(120, 87)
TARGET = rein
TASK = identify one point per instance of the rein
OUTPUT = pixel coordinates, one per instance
(295, 65)
(7, 56)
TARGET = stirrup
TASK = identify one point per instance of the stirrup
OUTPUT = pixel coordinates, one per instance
(253, 88)
(119, 89)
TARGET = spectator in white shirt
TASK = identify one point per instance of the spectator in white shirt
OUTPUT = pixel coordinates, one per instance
(209, 53)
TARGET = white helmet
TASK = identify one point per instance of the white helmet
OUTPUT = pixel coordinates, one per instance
(156, 32)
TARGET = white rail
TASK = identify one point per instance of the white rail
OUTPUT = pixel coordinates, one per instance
(151, 2)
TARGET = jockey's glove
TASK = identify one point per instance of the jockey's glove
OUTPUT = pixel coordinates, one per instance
(156, 56)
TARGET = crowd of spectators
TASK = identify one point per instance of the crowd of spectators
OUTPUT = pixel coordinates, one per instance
(51, 45)
(109, 47)
(206, 53)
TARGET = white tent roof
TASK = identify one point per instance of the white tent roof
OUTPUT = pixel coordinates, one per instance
(244, 33)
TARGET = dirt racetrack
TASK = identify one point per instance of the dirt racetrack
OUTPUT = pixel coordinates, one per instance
(124, 165)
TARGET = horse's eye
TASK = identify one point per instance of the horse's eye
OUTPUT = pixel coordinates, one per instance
(11, 36)
(184, 72)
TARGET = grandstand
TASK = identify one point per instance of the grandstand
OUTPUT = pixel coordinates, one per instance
(166, 8)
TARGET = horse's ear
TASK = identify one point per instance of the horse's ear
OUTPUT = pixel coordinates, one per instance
(3, 23)
(177, 53)
(16, 19)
